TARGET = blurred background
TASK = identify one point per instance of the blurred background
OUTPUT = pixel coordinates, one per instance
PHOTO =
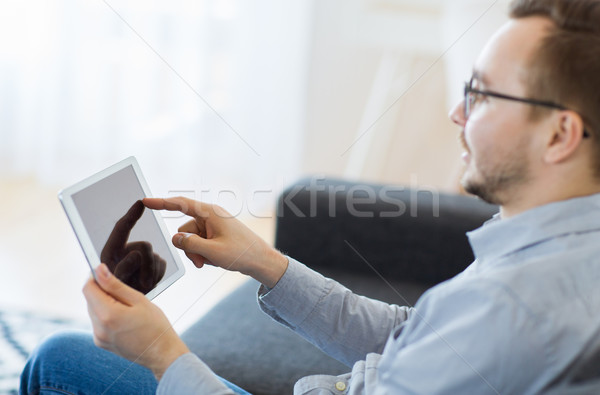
(227, 101)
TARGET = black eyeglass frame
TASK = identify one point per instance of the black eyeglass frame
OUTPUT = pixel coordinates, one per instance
(469, 89)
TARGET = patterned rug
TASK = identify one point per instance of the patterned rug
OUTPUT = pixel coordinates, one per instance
(20, 333)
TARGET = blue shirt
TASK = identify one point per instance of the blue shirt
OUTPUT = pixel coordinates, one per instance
(514, 321)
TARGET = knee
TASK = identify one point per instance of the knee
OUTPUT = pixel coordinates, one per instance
(57, 353)
(62, 346)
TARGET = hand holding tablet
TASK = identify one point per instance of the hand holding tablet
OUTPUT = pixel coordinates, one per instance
(113, 227)
(117, 224)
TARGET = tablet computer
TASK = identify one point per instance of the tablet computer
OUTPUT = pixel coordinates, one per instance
(113, 227)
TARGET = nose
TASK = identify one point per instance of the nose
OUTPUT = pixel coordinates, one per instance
(457, 114)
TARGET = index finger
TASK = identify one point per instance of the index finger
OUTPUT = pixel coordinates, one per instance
(120, 233)
(187, 206)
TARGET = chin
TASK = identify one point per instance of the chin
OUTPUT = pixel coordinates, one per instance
(478, 188)
(482, 191)
(467, 179)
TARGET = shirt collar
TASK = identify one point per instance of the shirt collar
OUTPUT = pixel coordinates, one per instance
(499, 237)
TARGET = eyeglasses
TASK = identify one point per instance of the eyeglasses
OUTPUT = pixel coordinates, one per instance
(474, 96)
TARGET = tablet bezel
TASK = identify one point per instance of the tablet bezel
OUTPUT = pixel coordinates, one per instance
(66, 198)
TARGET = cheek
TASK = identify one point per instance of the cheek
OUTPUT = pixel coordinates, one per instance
(487, 132)
(476, 137)
(485, 142)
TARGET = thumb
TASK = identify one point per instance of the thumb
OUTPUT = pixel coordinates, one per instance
(116, 288)
(191, 243)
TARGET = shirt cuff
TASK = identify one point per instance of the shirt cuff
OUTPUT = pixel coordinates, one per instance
(189, 375)
(295, 296)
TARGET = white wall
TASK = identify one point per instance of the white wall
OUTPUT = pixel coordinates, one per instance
(299, 83)
(208, 94)
(433, 45)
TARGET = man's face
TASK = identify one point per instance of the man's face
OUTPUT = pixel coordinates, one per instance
(498, 136)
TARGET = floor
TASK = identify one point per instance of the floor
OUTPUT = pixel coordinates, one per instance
(42, 268)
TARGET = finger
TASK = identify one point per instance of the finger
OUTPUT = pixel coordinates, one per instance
(102, 309)
(128, 267)
(143, 247)
(143, 279)
(193, 226)
(116, 288)
(99, 309)
(197, 260)
(187, 206)
(99, 302)
(193, 243)
(151, 269)
(120, 233)
(151, 273)
(160, 267)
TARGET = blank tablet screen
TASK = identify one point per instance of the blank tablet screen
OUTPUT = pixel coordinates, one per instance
(134, 249)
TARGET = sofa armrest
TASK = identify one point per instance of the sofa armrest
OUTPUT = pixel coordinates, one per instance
(404, 234)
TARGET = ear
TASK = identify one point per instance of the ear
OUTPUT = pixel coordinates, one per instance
(566, 136)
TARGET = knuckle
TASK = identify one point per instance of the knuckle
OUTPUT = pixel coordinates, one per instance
(121, 223)
(220, 212)
(183, 202)
(183, 243)
(184, 240)
(107, 320)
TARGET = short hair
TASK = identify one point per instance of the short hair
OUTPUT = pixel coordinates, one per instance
(565, 68)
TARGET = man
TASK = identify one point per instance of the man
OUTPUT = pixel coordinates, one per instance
(523, 318)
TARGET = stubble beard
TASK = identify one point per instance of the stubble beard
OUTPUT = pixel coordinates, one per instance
(497, 184)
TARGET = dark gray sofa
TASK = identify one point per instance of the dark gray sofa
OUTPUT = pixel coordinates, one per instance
(388, 243)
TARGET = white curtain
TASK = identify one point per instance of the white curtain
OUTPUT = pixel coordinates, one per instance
(208, 94)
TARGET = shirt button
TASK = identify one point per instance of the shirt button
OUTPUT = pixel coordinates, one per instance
(340, 386)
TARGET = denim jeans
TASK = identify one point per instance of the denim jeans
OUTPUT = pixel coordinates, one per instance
(70, 363)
